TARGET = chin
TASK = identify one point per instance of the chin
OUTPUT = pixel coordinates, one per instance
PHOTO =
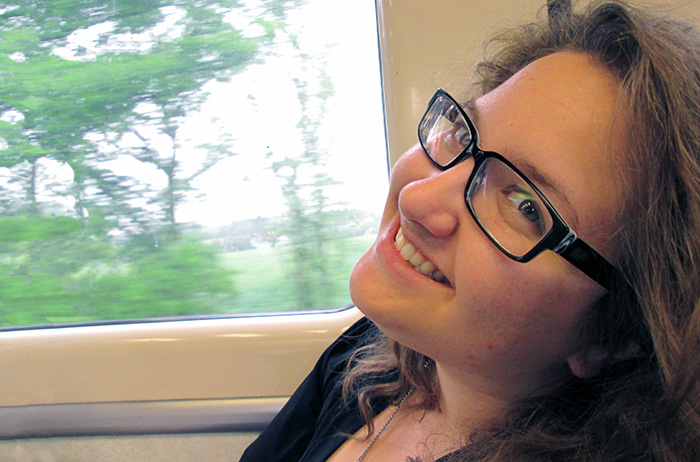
(362, 290)
(371, 299)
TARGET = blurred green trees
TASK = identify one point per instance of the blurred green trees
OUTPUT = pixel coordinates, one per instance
(77, 75)
(87, 85)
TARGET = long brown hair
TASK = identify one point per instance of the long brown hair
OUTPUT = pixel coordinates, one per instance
(646, 406)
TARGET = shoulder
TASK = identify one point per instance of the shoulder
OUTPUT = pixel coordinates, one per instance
(315, 417)
(362, 333)
(333, 362)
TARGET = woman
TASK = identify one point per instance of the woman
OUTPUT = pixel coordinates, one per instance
(533, 293)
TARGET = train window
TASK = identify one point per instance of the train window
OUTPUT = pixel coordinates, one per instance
(185, 157)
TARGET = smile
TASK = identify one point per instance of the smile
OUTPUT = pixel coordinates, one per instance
(417, 260)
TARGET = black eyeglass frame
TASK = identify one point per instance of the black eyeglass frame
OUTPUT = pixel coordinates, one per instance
(561, 239)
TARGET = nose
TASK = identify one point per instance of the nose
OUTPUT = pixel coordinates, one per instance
(436, 201)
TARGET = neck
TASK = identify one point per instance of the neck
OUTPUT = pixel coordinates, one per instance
(463, 404)
(462, 410)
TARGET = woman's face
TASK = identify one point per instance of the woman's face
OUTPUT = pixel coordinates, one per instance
(506, 325)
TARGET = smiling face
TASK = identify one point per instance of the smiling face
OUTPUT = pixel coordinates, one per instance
(508, 327)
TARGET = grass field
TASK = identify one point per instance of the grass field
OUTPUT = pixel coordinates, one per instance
(263, 282)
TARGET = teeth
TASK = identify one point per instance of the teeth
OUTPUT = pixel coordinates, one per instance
(408, 251)
(416, 260)
(414, 257)
(426, 268)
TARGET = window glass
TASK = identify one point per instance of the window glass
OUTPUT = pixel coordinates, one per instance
(186, 157)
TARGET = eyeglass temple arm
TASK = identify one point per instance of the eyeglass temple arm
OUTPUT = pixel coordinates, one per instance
(593, 264)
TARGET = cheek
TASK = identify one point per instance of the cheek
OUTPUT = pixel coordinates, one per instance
(523, 309)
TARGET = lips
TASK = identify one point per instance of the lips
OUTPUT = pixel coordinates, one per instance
(417, 260)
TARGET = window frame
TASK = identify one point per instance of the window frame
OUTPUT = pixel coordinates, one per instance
(171, 376)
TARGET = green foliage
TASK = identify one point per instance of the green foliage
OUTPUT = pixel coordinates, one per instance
(311, 225)
(65, 280)
(263, 282)
(73, 268)
(32, 228)
(99, 246)
(64, 100)
(174, 279)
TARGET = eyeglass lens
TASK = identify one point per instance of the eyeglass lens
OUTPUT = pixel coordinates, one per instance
(444, 132)
(501, 200)
(507, 207)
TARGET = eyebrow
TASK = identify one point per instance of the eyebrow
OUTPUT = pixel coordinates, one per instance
(548, 184)
(543, 181)
(471, 110)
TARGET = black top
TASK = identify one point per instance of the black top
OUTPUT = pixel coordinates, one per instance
(316, 421)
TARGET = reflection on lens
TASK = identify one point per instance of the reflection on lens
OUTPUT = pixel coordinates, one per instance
(444, 132)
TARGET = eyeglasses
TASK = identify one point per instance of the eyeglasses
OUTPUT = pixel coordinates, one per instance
(507, 206)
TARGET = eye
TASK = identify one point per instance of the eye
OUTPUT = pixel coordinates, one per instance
(452, 114)
(464, 136)
(525, 215)
(528, 209)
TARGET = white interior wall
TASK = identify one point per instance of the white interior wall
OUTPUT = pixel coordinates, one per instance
(424, 47)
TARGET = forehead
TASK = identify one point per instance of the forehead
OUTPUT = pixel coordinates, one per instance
(559, 116)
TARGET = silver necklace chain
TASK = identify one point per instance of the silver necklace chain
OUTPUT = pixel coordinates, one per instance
(384, 427)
